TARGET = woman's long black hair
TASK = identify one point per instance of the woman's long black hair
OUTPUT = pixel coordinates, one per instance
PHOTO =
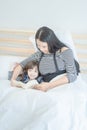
(45, 34)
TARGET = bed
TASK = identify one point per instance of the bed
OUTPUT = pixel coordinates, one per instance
(61, 108)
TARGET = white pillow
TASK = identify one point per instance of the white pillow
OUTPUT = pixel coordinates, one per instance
(5, 64)
(32, 39)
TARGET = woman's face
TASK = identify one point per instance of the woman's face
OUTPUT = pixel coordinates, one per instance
(33, 73)
(43, 46)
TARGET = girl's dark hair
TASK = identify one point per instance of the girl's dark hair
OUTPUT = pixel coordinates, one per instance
(29, 65)
(45, 34)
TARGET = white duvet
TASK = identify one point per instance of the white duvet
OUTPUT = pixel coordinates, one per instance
(61, 108)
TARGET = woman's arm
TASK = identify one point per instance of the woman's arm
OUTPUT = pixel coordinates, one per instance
(62, 80)
(45, 86)
(16, 72)
(18, 84)
(70, 67)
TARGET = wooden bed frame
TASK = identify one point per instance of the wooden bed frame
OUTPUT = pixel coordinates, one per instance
(80, 41)
(17, 43)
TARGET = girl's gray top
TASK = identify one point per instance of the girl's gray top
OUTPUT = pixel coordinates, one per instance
(65, 61)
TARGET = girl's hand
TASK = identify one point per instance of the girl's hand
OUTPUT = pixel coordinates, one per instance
(43, 86)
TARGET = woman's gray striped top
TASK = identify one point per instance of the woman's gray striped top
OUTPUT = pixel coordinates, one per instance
(65, 61)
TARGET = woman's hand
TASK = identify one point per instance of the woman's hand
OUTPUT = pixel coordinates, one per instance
(43, 86)
(15, 83)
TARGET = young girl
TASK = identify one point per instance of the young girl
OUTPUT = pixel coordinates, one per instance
(30, 76)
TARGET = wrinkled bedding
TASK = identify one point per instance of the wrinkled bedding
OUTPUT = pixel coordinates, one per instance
(61, 108)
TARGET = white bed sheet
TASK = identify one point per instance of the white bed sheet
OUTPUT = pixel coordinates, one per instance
(61, 108)
(84, 77)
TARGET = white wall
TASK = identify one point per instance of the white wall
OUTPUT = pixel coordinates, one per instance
(31, 14)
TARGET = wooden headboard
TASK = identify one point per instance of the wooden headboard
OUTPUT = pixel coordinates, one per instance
(80, 41)
(16, 42)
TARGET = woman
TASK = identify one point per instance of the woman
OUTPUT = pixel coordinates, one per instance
(54, 58)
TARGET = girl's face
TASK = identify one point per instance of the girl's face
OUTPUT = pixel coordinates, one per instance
(43, 46)
(33, 73)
